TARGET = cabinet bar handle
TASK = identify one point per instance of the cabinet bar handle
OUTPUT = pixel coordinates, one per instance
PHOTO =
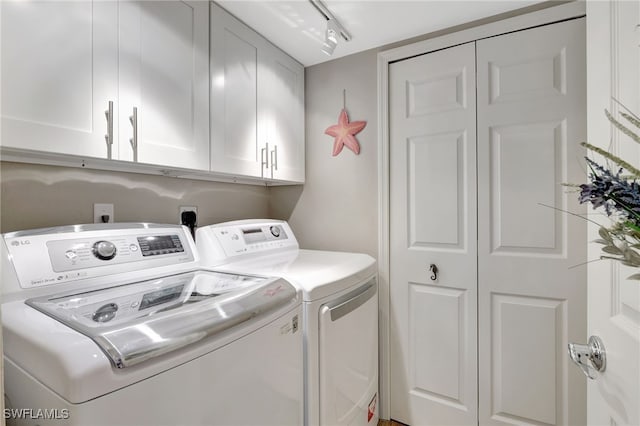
(274, 162)
(109, 136)
(134, 141)
(264, 158)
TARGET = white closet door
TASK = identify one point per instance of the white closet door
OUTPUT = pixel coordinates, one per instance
(59, 72)
(164, 73)
(531, 302)
(433, 221)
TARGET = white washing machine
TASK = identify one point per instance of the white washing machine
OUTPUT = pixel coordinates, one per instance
(340, 319)
(118, 325)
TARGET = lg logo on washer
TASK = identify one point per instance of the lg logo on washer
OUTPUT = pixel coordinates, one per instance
(17, 243)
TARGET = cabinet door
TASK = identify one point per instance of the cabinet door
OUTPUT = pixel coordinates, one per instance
(234, 95)
(59, 71)
(164, 73)
(281, 109)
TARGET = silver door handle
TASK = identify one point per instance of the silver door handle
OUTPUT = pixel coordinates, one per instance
(264, 158)
(591, 358)
(274, 159)
(134, 141)
(109, 136)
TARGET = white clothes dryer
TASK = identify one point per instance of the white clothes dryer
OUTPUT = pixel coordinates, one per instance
(116, 324)
(340, 312)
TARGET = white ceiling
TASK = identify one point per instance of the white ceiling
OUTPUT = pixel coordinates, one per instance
(298, 28)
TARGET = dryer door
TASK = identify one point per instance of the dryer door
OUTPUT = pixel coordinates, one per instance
(349, 358)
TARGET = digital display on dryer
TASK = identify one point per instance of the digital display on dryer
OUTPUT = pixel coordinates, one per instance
(251, 231)
(253, 235)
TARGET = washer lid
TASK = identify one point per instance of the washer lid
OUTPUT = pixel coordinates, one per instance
(134, 322)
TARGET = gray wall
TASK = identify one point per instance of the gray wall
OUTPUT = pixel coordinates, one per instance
(337, 207)
(34, 196)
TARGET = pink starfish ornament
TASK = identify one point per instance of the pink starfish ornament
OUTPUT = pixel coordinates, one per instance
(345, 132)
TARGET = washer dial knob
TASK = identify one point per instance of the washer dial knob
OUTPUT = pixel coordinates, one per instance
(275, 231)
(104, 250)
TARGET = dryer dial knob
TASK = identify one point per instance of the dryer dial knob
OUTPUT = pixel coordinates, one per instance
(104, 250)
(275, 231)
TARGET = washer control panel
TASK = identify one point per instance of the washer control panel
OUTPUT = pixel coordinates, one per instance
(69, 255)
(53, 256)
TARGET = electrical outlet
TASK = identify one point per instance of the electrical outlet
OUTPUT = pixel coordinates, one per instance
(187, 209)
(100, 210)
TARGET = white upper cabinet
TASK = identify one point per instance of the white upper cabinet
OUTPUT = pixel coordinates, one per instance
(234, 95)
(59, 72)
(162, 83)
(164, 73)
(281, 103)
(64, 62)
(257, 104)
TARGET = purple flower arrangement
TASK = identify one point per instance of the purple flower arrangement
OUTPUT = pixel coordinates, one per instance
(619, 195)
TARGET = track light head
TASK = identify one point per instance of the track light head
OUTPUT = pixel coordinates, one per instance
(334, 29)
(330, 38)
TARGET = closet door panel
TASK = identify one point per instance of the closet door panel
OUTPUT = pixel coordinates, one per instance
(517, 155)
(523, 325)
(532, 293)
(436, 170)
(433, 222)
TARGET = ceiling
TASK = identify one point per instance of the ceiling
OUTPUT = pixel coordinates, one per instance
(298, 28)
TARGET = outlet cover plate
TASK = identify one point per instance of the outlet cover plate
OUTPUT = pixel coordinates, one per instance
(100, 210)
(187, 209)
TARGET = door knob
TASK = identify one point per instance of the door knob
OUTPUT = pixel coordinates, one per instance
(591, 358)
(434, 272)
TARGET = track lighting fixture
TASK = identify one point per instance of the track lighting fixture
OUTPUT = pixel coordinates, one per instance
(334, 28)
(330, 38)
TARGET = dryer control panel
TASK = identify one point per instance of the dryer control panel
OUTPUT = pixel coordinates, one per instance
(232, 239)
(246, 239)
